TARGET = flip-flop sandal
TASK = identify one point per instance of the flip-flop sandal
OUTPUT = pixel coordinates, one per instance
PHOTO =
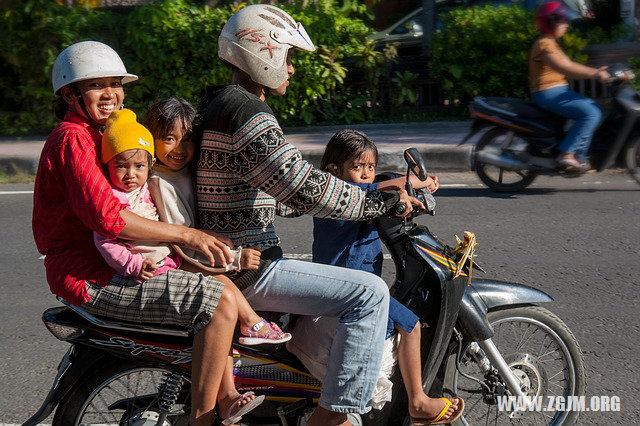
(437, 420)
(230, 416)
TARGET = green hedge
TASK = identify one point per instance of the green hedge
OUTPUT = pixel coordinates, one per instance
(171, 45)
(484, 51)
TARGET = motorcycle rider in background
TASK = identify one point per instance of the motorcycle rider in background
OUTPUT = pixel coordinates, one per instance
(549, 68)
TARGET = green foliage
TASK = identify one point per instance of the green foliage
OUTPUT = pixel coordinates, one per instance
(634, 63)
(33, 33)
(405, 93)
(484, 51)
(172, 46)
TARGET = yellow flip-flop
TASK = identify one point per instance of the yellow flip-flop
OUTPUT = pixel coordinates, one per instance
(437, 420)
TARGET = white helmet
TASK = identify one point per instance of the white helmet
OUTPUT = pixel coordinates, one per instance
(256, 39)
(87, 60)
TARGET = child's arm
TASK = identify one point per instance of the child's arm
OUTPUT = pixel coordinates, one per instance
(118, 256)
(431, 183)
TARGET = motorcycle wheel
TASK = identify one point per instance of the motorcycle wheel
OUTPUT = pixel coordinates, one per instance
(632, 159)
(121, 394)
(544, 355)
(497, 178)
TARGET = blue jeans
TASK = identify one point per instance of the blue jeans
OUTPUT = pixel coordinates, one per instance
(360, 301)
(584, 111)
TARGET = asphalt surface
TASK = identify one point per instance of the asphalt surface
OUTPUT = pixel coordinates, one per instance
(576, 239)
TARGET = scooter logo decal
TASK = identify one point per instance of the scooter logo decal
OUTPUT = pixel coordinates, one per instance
(181, 356)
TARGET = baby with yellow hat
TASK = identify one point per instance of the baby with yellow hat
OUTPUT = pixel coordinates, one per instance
(127, 153)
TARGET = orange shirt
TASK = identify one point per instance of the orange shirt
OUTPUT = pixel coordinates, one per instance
(541, 75)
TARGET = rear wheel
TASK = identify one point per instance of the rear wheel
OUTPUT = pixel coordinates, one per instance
(632, 159)
(501, 141)
(119, 394)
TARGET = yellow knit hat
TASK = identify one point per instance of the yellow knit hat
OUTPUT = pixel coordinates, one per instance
(123, 133)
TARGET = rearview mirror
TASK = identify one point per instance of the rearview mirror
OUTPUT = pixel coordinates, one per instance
(415, 163)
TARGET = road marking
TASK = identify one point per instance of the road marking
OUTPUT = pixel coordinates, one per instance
(14, 193)
(307, 256)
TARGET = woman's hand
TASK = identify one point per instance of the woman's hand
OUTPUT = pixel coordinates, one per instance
(602, 75)
(214, 247)
(147, 270)
(250, 259)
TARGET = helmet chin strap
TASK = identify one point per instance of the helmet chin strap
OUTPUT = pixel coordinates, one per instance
(83, 107)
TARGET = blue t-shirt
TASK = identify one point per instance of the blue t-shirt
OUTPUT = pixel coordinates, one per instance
(354, 245)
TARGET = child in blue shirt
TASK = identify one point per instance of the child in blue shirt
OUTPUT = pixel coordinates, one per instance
(352, 157)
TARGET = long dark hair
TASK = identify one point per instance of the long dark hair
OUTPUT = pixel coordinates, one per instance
(162, 115)
(346, 145)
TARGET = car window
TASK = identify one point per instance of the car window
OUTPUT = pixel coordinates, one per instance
(413, 25)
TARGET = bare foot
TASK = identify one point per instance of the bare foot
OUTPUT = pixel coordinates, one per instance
(423, 407)
(226, 401)
(323, 417)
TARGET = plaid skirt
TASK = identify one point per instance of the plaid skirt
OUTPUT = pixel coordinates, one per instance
(177, 298)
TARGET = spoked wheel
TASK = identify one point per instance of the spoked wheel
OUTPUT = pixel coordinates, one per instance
(121, 394)
(542, 353)
(632, 159)
(500, 142)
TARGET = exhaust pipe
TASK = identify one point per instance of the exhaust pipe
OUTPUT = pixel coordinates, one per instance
(500, 160)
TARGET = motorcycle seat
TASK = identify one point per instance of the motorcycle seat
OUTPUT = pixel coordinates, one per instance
(522, 108)
(110, 323)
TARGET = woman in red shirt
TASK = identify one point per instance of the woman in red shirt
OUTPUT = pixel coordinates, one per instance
(73, 199)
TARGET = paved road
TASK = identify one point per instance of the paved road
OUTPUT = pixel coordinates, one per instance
(576, 239)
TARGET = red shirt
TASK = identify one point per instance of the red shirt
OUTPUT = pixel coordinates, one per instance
(72, 199)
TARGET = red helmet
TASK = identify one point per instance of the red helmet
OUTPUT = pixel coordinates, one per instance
(551, 14)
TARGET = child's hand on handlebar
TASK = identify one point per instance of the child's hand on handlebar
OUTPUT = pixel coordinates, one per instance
(409, 203)
(432, 184)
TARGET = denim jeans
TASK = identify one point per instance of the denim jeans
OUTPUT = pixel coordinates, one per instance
(360, 301)
(584, 111)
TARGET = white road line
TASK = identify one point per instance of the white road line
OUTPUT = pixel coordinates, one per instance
(14, 193)
(307, 256)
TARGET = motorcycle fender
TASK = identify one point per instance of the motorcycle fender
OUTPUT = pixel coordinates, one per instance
(75, 365)
(481, 296)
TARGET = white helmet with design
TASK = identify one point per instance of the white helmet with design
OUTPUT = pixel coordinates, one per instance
(86, 60)
(256, 39)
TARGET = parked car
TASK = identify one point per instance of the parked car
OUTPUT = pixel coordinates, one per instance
(406, 34)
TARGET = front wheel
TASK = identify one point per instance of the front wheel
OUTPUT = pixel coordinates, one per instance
(542, 353)
(121, 393)
(632, 159)
(500, 142)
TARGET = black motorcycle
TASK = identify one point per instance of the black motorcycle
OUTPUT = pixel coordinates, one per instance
(482, 340)
(522, 139)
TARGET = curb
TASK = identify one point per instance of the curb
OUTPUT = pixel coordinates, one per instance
(12, 166)
(438, 158)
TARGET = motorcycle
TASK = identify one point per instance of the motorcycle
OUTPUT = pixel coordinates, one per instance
(522, 139)
(482, 339)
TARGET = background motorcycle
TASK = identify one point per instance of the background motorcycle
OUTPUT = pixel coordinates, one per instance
(480, 341)
(522, 138)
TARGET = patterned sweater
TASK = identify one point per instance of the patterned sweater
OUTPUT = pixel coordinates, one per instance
(247, 172)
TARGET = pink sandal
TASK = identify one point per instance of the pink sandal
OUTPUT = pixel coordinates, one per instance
(273, 335)
(230, 416)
